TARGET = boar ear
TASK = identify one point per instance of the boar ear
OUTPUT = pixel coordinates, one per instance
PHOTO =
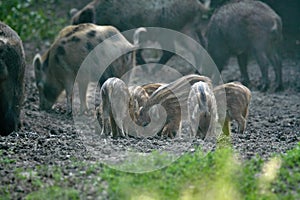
(87, 16)
(37, 62)
(73, 12)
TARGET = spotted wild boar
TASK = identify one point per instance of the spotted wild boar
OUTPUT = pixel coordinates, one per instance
(56, 70)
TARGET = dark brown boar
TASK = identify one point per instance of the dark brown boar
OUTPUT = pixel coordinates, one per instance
(173, 97)
(57, 69)
(202, 110)
(12, 68)
(130, 14)
(242, 28)
(234, 107)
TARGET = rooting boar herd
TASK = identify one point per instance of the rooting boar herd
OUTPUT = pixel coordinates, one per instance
(238, 28)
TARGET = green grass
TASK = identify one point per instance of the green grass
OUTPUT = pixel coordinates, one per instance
(144, 162)
(219, 175)
(216, 175)
(54, 193)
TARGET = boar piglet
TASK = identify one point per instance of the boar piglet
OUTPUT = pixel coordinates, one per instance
(139, 95)
(242, 28)
(113, 112)
(151, 87)
(234, 107)
(138, 98)
(57, 69)
(202, 110)
(173, 97)
(12, 68)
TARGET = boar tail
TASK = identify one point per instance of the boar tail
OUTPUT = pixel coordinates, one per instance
(136, 35)
(136, 41)
(276, 29)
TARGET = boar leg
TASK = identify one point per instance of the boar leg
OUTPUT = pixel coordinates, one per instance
(241, 124)
(165, 57)
(172, 129)
(139, 58)
(243, 61)
(114, 128)
(82, 95)
(105, 116)
(168, 131)
(263, 63)
(211, 132)
(277, 66)
(226, 127)
(69, 94)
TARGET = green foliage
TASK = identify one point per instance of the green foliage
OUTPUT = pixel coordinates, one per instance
(218, 175)
(193, 176)
(289, 175)
(144, 162)
(29, 20)
(54, 193)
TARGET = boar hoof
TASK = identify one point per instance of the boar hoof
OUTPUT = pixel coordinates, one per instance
(263, 87)
(279, 88)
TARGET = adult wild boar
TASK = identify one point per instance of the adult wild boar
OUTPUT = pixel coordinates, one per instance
(12, 67)
(244, 27)
(57, 69)
(130, 14)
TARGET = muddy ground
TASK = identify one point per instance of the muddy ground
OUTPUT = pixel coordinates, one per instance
(52, 139)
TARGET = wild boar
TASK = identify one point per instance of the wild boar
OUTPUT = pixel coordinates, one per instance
(138, 98)
(151, 87)
(57, 69)
(244, 27)
(113, 111)
(129, 14)
(139, 95)
(234, 107)
(173, 98)
(119, 116)
(12, 68)
(202, 111)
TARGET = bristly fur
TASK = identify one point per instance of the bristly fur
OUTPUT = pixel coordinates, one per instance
(234, 107)
(12, 68)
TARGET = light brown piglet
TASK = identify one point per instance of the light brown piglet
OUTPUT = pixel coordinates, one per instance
(234, 107)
